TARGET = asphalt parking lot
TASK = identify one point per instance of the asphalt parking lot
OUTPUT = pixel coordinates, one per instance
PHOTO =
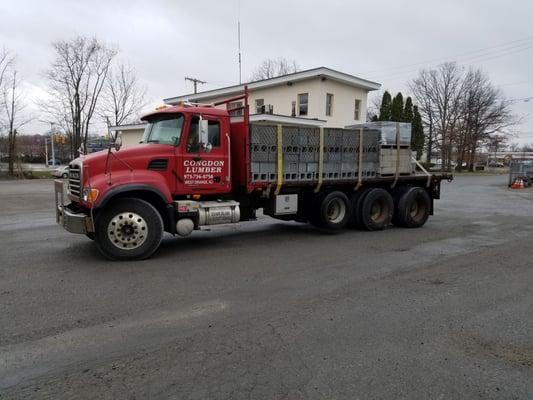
(274, 310)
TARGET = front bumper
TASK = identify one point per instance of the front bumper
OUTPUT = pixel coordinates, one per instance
(70, 219)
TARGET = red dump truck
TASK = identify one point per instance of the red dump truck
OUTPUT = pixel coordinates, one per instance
(200, 165)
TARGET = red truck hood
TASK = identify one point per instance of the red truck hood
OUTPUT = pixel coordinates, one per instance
(134, 157)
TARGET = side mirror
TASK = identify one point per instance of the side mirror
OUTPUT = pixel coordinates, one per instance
(203, 127)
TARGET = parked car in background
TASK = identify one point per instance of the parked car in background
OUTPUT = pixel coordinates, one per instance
(61, 172)
(54, 162)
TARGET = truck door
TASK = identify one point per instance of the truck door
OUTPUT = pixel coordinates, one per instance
(205, 169)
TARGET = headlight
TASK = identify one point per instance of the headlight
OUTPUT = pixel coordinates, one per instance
(90, 195)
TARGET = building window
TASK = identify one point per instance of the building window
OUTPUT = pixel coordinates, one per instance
(236, 113)
(329, 104)
(303, 103)
(357, 110)
(293, 109)
(260, 106)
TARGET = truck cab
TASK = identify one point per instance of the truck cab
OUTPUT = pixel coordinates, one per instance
(198, 141)
(184, 155)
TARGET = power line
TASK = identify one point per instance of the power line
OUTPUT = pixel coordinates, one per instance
(524, 99)
(467, 61)
(505, 45)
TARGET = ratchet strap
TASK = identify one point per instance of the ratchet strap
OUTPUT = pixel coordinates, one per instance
(423, 170)
(320, 161)
(360, 161)
(280, 160)
(397, 155)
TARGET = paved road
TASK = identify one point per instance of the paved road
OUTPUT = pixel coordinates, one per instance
(274, 310)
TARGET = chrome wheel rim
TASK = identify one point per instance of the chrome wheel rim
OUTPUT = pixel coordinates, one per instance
(127, 231)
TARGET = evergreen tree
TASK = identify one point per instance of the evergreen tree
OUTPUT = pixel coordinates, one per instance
(417, 133)
(385, 109)
(408, 110)
(397, 108)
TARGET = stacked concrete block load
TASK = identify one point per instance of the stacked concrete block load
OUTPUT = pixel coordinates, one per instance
(309, 154)
(349, 161)
(394, 146)
(264, 153)
(301, 154)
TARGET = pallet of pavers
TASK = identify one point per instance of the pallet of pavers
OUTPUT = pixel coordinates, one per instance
(340, 153)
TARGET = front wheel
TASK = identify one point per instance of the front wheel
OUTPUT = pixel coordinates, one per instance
(129, 229)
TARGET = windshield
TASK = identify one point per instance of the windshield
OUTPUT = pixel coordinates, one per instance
(165, 129)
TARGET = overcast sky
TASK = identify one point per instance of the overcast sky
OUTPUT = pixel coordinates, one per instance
(385, 41)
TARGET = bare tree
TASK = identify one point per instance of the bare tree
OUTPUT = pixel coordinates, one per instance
(272, 67)
(462, 110)
(496, 143)
(484, 117)
(421, 89)
(123, 98)
(76, 79)
(372, 111)
(13, 111)
(513, 147)
(6, 61)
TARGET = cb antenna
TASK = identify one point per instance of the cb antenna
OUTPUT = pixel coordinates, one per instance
(239, 41)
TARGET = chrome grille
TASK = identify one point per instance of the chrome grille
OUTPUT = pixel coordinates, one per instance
(74, 179)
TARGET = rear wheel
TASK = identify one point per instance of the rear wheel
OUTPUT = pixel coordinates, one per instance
(355, 203)
(376, 210)
(331, 211)
(129, 229)
(412, 207)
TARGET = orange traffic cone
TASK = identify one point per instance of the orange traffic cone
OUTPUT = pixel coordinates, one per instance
(521, 183)
(516, 184)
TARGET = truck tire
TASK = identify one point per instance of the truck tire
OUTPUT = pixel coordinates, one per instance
(376, 210)
(355, 204)
(129, 229)
(412, 206)
(331, 211)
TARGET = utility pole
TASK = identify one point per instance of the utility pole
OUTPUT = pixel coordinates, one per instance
(52, 142)
(195, 83)
(46, 152)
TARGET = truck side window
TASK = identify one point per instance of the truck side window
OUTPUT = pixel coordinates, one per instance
(214, 133)
(193, 140)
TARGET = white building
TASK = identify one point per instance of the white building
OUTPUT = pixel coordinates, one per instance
(131, 134)
(319, 97)
(335, 97)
